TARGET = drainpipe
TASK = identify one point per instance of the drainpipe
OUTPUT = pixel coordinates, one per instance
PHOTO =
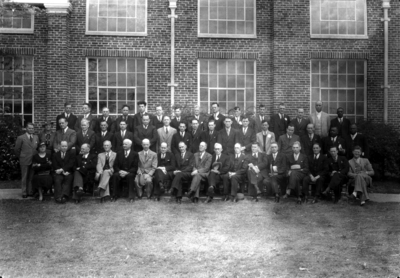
(386, 19)
(172, 16)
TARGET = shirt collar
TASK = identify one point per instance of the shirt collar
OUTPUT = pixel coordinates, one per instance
(65, 129)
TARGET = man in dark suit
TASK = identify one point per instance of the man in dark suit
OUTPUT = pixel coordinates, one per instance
(236, 176)
(318, 165)
(338, 169)
(286, 141)
(260, 118)
(138, 117)
(334, 140)
(125, 168)
(68, 116)
(197, 136)
(105, 117)
(237, 118)
(84, 171)
(121, 135)
(257, 174)
(217, 117)
(300, 123)
(178, 118)
(158, 118)
(64, 134)
(342, 124)
(166, 165)
(202, 119)
(228, 137)
(85, 136)
(145, 131)
(279, 122)
(103, 135)
(86, 108)
(63, 165)
(247, 136)
(181, 136)
(184, 168)
(210, 137)
(276, 168)
(308, 140)
(220, 166)
(357, 139)
(124, 117)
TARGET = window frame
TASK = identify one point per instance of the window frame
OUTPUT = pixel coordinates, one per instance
(312, 103)
(116, 33)
(20, 30)
(237, 36)
(134, 109)
(341, 36)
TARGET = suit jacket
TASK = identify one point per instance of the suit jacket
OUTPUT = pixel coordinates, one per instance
(137, 119)
(210, 139)
(69, 136)
(129, 124)
(203, 123)
(318, 167)
(228, 141)
(175, 124)
(225, 161)
(184, 164)
(278, 125)
(269, 140)
(325, 122)
(118, 140)
(177, 138)
(285, 145)
(147, 165)
(302, 161)
(142, 133)
(92, 122)
(343, 128)
(129, 164)
(364, 165)
(100, 140)
(258, 123)
(327, 144)
(197, 138)
(25, 149)
(89, 138)
(202, 165)
(279, 162)
(86, 167)
(261, 162)
(169, 162)
(307, 143)
(343, 165)
(156, 123)
(67, 164)
(359, 140)
(101, 161)
(163, 137)
(300, 128)
(246, 140)
(72, 119)
(110, 122)
(219, 124)
(238, 165)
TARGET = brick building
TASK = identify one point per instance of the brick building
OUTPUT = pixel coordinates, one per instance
(237, 52)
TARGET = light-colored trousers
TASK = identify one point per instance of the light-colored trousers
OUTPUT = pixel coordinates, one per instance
(141, 181)
(26, 179)
(105, 183)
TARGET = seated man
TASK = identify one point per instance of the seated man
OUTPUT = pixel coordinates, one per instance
(297, 166)
(236, 175)
(63, 164)
(183, 172)
(201, 169)
(318, 166)
(257, 171)
(338, 169)
(166, 165)
(360, 175)
(105, 169)
(286, 141)
(84, 171)
(125, 168)
(146, 168)
(220, 165)
(276, 167)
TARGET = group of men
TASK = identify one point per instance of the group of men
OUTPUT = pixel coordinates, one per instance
(153, 154)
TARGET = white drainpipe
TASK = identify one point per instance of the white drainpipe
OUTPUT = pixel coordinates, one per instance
(172, 6)
(386, 19)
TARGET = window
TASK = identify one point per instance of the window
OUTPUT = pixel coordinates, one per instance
(16, 86)
(113, 82)
(340, 83)
(16, 22)
(229, 82)
(227, 18)
(116, 17)
(339, 19)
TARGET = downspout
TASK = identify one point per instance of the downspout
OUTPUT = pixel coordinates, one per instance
(386, 19)
(172, 16)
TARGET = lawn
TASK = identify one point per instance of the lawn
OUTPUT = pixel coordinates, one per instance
(163, 239)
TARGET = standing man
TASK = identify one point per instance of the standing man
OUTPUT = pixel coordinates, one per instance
(280, 121)
(68, 116)
(25, 149)
(121, 135)
(276, 167)
(228, 137)
(217, 117)
(181, 136)
(300, 123)
(137, 118)
(197, 136)
(287, 140)
(320, 120)
(178, 118)
(260, 118)
(158, 118)
(105, 169)
(342, 124)
(265, 138)
(166, 165)
(200, 118)
(124, 117)
(210, 137)
(247, 136)
(102, 136)
(308, 140)
(357, 139)
(64, 134)
(86, 108)
(237, 119)
(235, 179)
(146, 168)
(145, 131)
(63, 165)
(334, 140)
(166, 133)
(257, 174)
(105, 117)
(85, 136)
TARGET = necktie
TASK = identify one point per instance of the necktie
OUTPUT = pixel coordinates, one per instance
(31, 138)
(163, 156)
(126, 153)
(178, 119)
(194, 132)
(274, 156)
(166, 130)
(315, 157)
(104, 134)
(123, 134)
(67, 116)
(107, 155)
(228, 131)
(290, 137)
(296, 157)
(145, 156)
(255, 155)
(62, 155)
(210, 132)
(237, 156)
(159, 118)
(63, 131)
(145, 127)
(183, 155)
(310, 136)
(217, 157)
(333, 140)
(299, 121)
(244, 130)
(262, 118)
(84, 133)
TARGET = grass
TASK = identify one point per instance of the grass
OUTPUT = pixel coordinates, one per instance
(150, 239)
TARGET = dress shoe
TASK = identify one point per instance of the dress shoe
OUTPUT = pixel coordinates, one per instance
(285, 196)
(352, 197)
(299, 201)
(226, 198)
(326, 192)
(315, 201)
(277, 199)
(179, 201)
(76, 201)
(157, 199)
(101, 200)
(255, 200)
(235, 200)
(208, 200)
(114, 199)
(24, 196)
(58, 201)
(131, 200)
(362, 203)
(190, 194)
(148, 198)
(140, 197)
(196, 200)
(305, 200)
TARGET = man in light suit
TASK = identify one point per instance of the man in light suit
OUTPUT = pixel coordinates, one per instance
(279, 122)
(86, 108)
(64, 134)
(68, 116)
(300, 123)
(104, 169)
(166, 132)
(145, 131)
(217, 117)
(228, 137)
(247, 136)
(146, 169)
(342, 124)
(260, 118)
(287, 140)
(85, 136)
(25, 149)
(201, 169)
(320, 120)
(265, 138)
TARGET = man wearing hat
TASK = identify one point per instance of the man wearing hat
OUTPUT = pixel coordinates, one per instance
(47, 135)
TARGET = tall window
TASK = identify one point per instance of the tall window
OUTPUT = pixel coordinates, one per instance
(16, 22)
(113, 82)
(227, 18)
(339, 19)
(340, 83)
(116, 17)
(16, 86)
(229, 82)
